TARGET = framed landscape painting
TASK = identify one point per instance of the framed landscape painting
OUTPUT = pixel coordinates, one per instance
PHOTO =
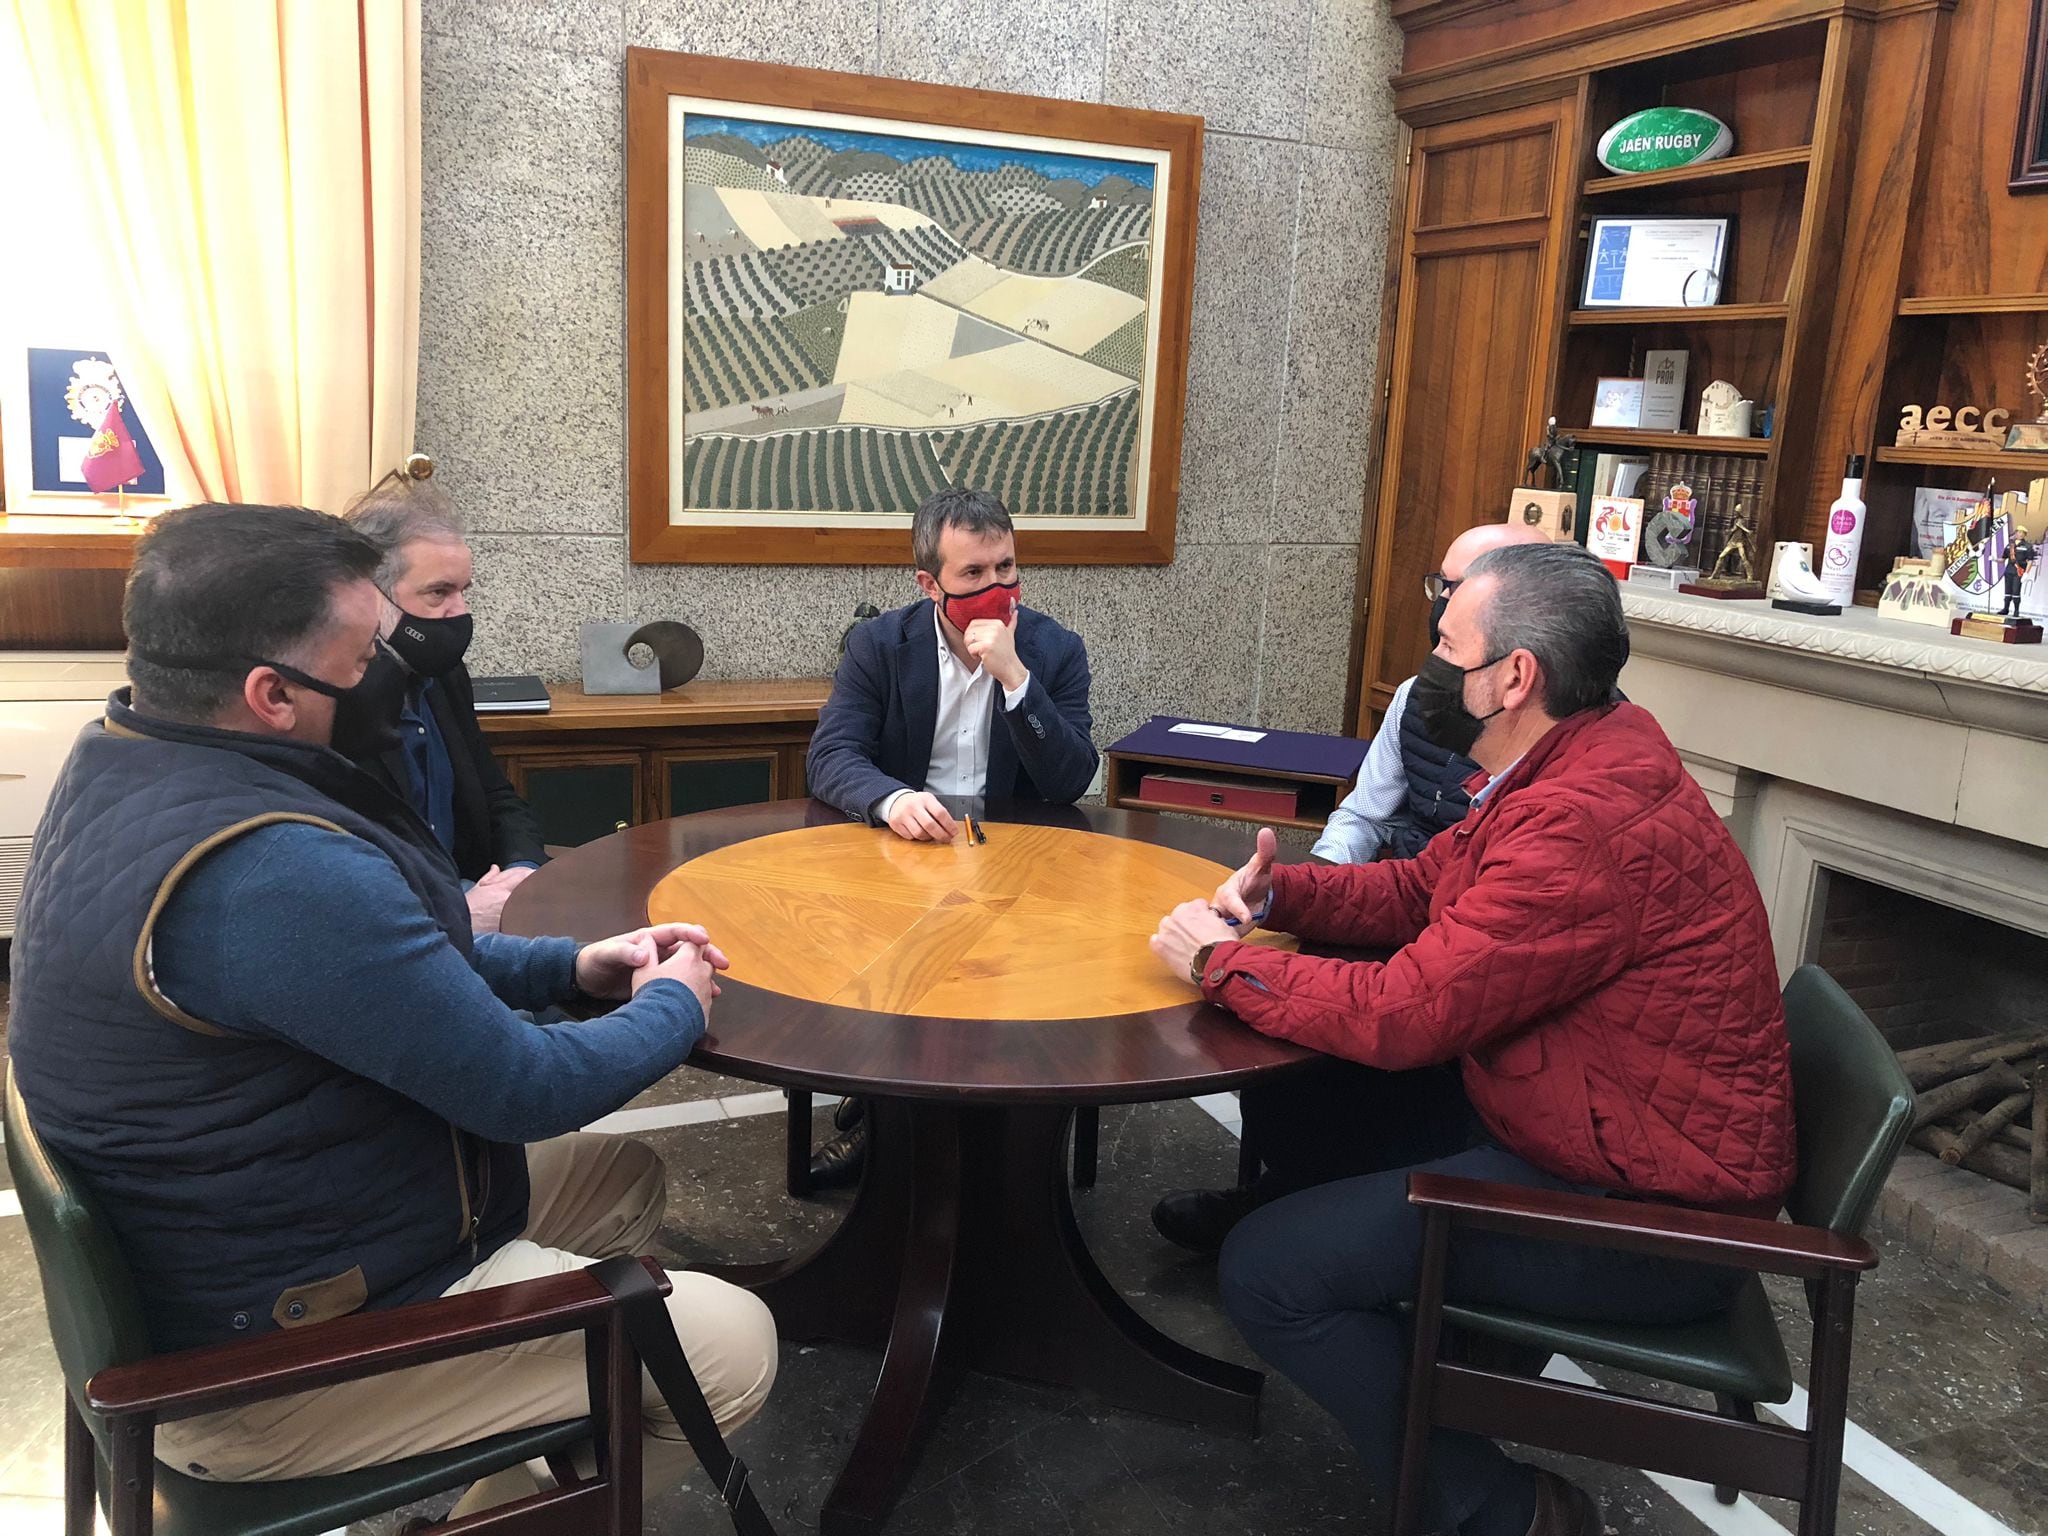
(846, 293)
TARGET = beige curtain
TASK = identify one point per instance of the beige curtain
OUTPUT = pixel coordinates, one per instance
(253, 171)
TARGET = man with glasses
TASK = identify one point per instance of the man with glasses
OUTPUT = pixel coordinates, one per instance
(412, 723)
(1408, 790)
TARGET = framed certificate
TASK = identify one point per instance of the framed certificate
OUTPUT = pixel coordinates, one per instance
(1644, 261)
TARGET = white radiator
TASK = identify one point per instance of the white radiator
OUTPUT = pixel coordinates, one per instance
(45, 700)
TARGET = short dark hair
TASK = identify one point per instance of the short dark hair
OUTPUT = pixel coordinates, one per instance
(955, 507)
(221, 580)
(1561, 605)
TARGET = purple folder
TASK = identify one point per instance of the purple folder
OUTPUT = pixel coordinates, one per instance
(1298, 752)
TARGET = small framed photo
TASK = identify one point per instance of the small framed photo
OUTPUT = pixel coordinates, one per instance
(1646, 261)
(1617, 402)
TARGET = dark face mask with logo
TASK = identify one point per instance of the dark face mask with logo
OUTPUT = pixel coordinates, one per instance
(431, 646)
(1438, 699)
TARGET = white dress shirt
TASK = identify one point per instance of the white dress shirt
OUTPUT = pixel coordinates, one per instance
(959, 764)
(1358, 827)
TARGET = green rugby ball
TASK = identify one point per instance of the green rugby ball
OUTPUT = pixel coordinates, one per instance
(1662, 138)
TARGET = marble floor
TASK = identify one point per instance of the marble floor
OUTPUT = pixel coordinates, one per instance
(1951, 1382)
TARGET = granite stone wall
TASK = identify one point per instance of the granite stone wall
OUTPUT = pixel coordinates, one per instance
(522, 367)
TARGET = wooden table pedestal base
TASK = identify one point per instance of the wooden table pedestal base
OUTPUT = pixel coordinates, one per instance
(961, 1253)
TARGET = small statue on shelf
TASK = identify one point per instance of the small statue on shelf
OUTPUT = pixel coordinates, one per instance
(1734, 563)
(2019, 558)
(1550, 453)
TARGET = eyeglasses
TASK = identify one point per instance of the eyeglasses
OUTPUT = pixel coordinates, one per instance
(1437, 585)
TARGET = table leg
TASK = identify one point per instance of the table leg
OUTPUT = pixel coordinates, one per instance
(962, 1250)
(925, 1358)
(1040, 1308)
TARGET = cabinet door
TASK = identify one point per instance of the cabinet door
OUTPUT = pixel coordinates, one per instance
(705, 781)
(578, 797)
(1476, 313)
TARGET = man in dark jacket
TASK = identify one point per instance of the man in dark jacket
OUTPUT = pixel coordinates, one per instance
(965, 695)
(1586, 951)
(412, 726)
(249, 1012)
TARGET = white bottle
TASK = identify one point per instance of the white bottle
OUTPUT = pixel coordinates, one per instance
(1845, 537)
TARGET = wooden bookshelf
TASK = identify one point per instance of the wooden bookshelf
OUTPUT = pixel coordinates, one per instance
(2031, 465)
(1982, 304)
(1672, 442)
(1704, 314)
(1730, 168)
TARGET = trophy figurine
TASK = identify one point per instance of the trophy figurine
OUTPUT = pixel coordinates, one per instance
(1732, 574)
(2019, 557)
(1550, 453)
(2032, 436)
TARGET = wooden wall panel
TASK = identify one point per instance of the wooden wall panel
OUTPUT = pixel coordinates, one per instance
(1971, 235)
(55, 610)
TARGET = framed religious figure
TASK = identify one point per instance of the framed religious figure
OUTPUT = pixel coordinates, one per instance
(846, 293)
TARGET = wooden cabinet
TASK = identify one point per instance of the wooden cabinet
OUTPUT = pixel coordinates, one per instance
(1468, 376)
(1845, 116)
(596, 763)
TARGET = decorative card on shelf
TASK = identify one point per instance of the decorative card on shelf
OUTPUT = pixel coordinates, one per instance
(1663, 391)
(1916, 593)
(1936, 512)
(1617, 402)
(1615, 531)
(845, 294)
(1654, 261)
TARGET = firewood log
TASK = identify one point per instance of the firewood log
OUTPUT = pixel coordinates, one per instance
(2037, 1163)
(2007, 1165)
(1985, 1126)
(1999, 1080)
(1927, 1065)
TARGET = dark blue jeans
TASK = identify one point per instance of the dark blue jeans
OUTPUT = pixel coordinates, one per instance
(1312, 1281)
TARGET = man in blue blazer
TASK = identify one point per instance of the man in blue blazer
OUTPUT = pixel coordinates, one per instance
(964, 694)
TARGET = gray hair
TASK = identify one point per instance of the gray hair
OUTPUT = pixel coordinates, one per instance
(1560, 604)
(396, 512)
(955, 507)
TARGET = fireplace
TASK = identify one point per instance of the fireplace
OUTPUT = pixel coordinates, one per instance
(1890, 788)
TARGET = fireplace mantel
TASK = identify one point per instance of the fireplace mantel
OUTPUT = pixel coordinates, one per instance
(1892, 714)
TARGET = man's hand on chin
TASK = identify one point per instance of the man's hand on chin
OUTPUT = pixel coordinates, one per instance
(994, 644)
(1185, 930)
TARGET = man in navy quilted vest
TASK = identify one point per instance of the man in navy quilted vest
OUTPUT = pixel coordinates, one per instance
(1409, 789)
(249, 1012)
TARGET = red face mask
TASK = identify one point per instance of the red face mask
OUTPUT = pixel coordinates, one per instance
(997, 600)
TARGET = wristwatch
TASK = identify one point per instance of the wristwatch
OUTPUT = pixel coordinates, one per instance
(1200, 962)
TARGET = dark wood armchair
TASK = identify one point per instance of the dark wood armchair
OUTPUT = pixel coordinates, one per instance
(117, 1392)
(1854, 1107)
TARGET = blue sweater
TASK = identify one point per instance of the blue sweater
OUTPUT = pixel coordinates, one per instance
(267, 937)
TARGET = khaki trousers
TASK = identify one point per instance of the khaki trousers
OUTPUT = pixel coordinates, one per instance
(592, 1197)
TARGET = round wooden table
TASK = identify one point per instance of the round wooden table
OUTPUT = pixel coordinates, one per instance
(974, 993)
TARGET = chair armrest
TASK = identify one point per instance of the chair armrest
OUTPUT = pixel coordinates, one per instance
(177, 1386)
(1669, 1231)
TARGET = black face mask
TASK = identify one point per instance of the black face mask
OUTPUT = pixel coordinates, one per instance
(346, 700)
(366, 717)
(1438, 699)
(431, 646)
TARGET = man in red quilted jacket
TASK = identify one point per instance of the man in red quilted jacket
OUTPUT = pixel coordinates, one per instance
(1587, 950)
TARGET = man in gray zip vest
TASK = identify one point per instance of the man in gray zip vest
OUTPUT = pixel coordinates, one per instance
(1409, 789)
(249, 1011)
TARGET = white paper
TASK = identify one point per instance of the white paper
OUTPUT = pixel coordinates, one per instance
(1219, 732)
(71, 459)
